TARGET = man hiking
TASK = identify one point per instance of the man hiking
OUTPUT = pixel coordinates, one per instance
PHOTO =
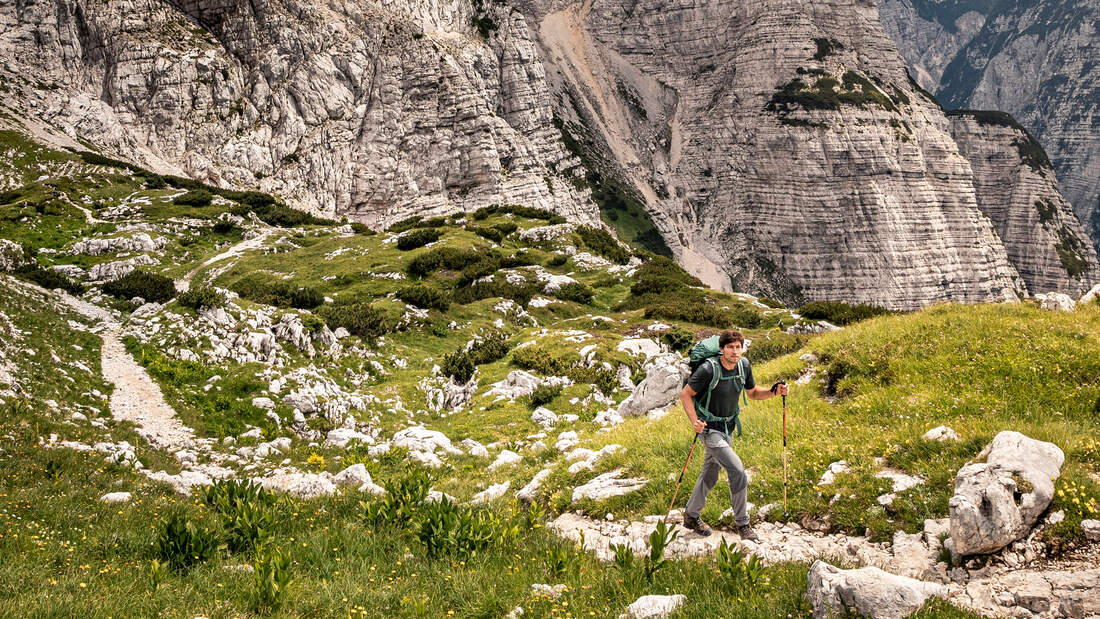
(717, 402)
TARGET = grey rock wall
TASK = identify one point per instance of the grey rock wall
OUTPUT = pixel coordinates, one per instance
(374, 110)
(1043, 236)
(1035, 60)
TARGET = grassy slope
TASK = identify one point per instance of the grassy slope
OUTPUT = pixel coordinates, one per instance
(978, 369)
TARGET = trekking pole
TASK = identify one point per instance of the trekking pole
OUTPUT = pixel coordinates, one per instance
(786, 515)
(677, 491)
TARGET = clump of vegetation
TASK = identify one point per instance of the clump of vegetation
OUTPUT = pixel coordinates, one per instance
(557, 260)
(575, 292)
(602, 243)
(1070, 253)
(201, 296)
(450, 258)
(839, 313)
(538, 359)
(825, 47)
(418, 237)
(458, 366)
(775, 344)
(417, 222)
(495, 233)
(520, 293)
(195, 197)
(679, 339)
(1046, 210)
(359, 318)
(280, 293)
(182, 545)
(151, 287)
(528, 212)
(49, 278)
(425, 297)
(544, 394)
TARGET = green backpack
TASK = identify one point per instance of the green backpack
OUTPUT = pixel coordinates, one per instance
(707, 351)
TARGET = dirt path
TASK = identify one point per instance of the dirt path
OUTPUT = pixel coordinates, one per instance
(136, 398)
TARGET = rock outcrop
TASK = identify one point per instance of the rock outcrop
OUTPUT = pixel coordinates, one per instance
(1035, 60)
(868, 590)
(998, 500)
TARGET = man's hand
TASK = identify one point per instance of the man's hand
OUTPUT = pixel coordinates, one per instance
(780, 388)
(698, 425)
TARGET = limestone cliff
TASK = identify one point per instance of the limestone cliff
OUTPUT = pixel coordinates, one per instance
(1035, 60)
(781, 143)
(779, 146)
(1017, 190)
(376, 110)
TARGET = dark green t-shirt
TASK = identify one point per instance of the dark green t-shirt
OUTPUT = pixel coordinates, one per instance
(725, 399)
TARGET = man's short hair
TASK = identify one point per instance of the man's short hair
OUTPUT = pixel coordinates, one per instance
(728, 337)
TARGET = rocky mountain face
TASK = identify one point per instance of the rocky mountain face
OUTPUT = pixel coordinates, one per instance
(779, 146)
(377, 111)
(1035, 60)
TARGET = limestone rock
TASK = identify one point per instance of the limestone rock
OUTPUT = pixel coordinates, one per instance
(544, 417)
(505, 458)
(663, 382)
(11, 255)
(608, 485)
(491, 493)
(527, 493)
(1091, 529)
(941, 433)
(653, 606)
(868, 591)
(116, 497)
(301, 485)
(1089, 297)
(997, 501)
(1056, 301)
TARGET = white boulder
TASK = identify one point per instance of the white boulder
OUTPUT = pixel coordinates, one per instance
(868, 591)
(608, 485)
(997, 501)
(653, 606)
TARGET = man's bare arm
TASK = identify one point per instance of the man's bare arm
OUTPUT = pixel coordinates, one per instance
(686, 395)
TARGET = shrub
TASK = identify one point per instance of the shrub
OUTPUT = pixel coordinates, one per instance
(490, 233)
(244, 509)
(679, 338)
(450, 258)
(361, 228)
(149, 286)
(520, 293)
(557, 260)
(458, 366)
(201, 296)
(359, 318)
(739, 573)
(656, 285)
(49, 279)
(544, 394)
(417, 222)
(404, 498)
(839, 313)
(418, 238)
(576, 292)
(224, 227)
(183, 545)
(519, 211)
(537, 359)
(489, 349)
(447, 529)
(196, 197)
(265, 289)
(601, 242)
(425, 297)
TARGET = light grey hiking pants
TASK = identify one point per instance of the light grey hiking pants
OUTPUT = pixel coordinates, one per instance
(720, 455)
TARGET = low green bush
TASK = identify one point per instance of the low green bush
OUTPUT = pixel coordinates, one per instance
(679, 339)
(280, 293)
(521, 294)
(538, 359)
(418, 237)
(196, 197)
(271, 580)
(200, 297)
(417, 222)
(601, 242)
(839, 313)
(576, 292)
(425, 297)
(489, 348)
(361, 228)
(457, 365)
(49, 279)
(557, 260)
(149, 286)
(543, 395)
(359, 318)
(519, 211)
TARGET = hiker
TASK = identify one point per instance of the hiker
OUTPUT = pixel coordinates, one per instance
(712, 408)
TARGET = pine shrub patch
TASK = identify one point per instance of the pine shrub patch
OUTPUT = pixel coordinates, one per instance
(149, 286)
(424, 297)
(839, 313)
(200, 297)
(418, 237)
(280, 293)
(359, 318)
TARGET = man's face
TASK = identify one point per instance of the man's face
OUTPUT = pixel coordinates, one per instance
(731, 353)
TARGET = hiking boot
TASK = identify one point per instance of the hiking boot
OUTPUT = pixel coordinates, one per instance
(696, 524)
(747, 534)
